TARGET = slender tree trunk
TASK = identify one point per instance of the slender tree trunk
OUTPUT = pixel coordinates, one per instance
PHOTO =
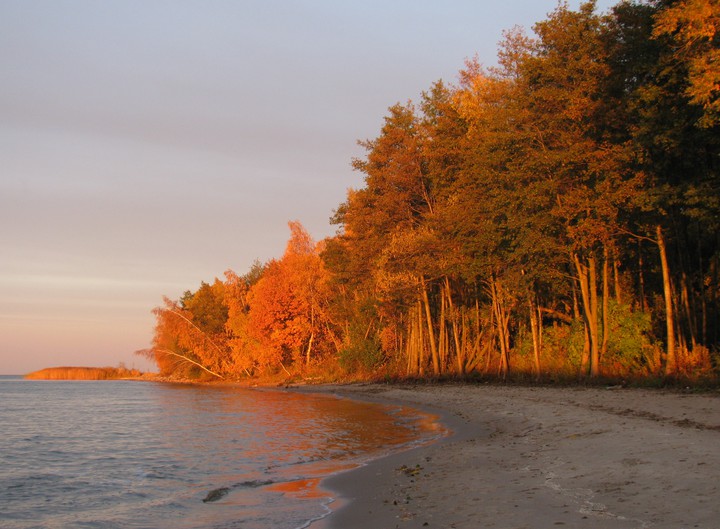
(594, 326)
(501, 318)
(462, 358)
(715, 290)
(408, 345)
(616, 277)
(420, 340)
(606, 305)
(459, 352)
(703, 290)
(576, 303)
(585, 293)
(190, 360)
(312, 336)
(688, 310)
(431, 332)
(535, 326)
(585, 361)
(442, 338)
(309, 348)
(641, 277)
(671, 364)
(412, 344)
(587, 277)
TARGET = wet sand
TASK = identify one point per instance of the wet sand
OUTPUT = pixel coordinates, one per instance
(537, 458)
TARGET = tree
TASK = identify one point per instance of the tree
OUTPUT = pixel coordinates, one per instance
(657, 99)
(694, 26)
(288, 305)
(243, 348)
(564, 80)
(180, 348)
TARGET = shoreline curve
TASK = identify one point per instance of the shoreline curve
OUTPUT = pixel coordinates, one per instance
(539, 457)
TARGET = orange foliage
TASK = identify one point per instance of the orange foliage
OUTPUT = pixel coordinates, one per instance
(180, 345)
(694, 25)
(288, 316)
(243, 348)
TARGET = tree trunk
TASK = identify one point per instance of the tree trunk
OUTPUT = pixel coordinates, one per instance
(606, 305)
(715, 298)
(309, 348)
(463, 359)
(588, 290)
(414, 342)
(671, 364)
(594, 326)
(459, 350)
(641, 277)
(502, 323)
(442, 334)
(410, 368)
(312, 336)
(688, 310)
(535, 327)
(703, 293)
(420, 340)
(431, 332)
(616, 276)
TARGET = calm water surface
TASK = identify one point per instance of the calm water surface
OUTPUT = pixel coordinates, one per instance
(118, 454)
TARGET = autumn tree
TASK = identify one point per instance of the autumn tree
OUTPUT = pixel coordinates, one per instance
(180, 347)
(392, 206)
(659, 109)
(288, 306)
(694, 28)
(243, 348)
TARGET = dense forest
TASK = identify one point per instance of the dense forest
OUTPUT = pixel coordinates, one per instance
(554, 216)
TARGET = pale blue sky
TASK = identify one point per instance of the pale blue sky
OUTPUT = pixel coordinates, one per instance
(148, 145)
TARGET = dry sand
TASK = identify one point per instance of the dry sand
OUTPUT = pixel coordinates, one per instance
(523, 457)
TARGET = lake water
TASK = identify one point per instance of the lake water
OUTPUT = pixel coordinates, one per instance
(127, 454)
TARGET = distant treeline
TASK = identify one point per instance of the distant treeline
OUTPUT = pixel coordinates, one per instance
(555, 216)
(83, 373)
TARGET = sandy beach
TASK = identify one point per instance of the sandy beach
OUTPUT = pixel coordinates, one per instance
(524, 457)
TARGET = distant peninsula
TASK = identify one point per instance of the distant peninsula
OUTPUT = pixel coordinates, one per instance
(84, 373)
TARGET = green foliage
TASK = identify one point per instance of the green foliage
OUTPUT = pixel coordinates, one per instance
(563, 348)
(362, 349)
(629, 346)
(208, 307)
(361, 354)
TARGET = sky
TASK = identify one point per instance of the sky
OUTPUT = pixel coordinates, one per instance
(149, 145)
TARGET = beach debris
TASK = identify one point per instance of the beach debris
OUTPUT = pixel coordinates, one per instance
(410, 471)
(219, 493)
(254, 483)
(216, 494)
